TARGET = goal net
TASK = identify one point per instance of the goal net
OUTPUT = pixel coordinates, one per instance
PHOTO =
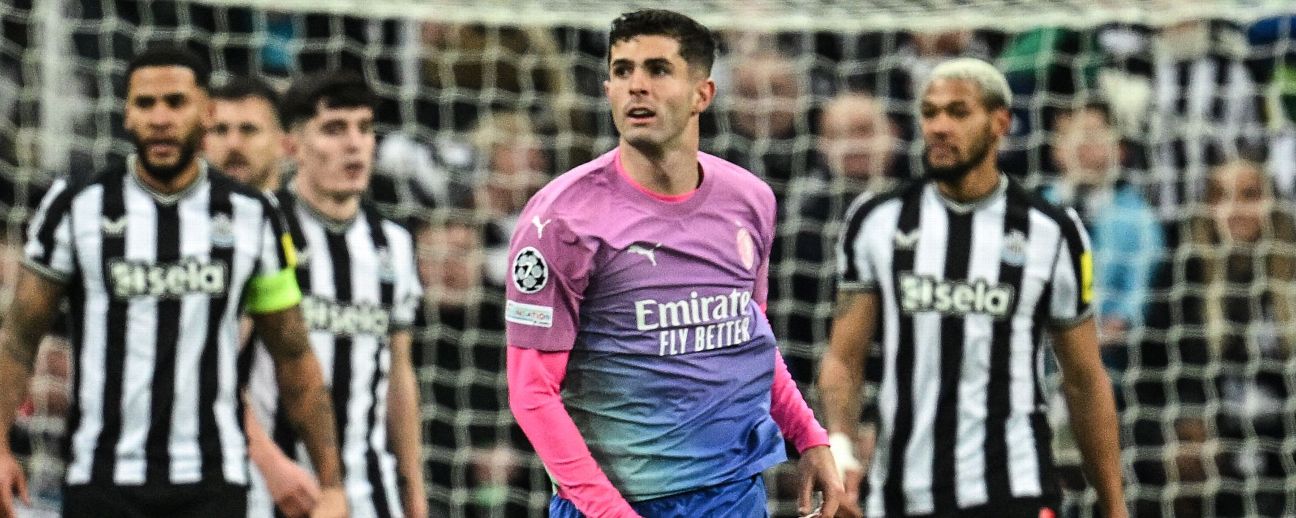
(1147, 116)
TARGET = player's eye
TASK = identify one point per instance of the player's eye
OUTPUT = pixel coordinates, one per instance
(249, 129)
(145, 103)
(219, 129)
(333, 128)
(659, 70)
(175, 100)
(620, 71)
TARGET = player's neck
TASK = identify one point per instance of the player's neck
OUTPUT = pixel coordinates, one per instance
(977, 184)
(671, 173)
(179, 183)
(336, 208)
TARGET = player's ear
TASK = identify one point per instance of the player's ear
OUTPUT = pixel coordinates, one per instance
(703, 93)
(292, 142)
(1001, 120)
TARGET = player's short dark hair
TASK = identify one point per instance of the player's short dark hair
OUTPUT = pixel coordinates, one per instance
(697, 44)
(239, 88)
(335, 88)
(171, 56)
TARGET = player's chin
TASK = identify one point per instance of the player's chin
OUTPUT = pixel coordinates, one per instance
(641, 138)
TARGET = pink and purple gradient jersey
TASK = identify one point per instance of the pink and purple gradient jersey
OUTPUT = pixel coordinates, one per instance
(659, 302)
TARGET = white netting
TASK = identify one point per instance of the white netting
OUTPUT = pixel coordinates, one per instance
(484, 99)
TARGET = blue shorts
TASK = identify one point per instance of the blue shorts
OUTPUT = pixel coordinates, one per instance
(742, 499)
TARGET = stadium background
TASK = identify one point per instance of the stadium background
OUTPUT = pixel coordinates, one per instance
(484, 101)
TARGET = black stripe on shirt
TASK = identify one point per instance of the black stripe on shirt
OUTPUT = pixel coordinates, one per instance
(958, 254)
(340, 257)
(209, 441)
(162, 391)
(113, 248)
(387, 296)
(902, 263)
(998, 399)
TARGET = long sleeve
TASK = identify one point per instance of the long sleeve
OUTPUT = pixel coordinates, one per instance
(791, 412)
(534, 380)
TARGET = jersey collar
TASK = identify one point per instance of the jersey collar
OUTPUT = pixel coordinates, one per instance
(161, 197)
(968, 207)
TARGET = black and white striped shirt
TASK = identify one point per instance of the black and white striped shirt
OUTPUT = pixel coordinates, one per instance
(966, 291)
(156, 284)
(360, 285)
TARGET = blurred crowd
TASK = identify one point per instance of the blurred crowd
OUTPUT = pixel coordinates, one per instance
(1176, 145)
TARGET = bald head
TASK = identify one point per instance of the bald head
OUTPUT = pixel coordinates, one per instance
(856, 138)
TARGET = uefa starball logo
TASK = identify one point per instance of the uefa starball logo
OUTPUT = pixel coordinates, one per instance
(530, 272)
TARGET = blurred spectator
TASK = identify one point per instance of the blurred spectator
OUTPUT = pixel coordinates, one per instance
(473, 444)
(1227, 351)
(511, 166)
(423, 175)
(1186, 90)
(450, 261)
(856, 150)
(768, 107)
(477, 68)
(898, 78)
(1126, 235)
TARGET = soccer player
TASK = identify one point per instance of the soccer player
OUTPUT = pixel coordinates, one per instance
(245, 137)
(964, 271)
(361, 294)
(157, 258)
(640, 363)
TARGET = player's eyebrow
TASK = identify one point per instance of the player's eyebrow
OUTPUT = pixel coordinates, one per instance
(659, 61)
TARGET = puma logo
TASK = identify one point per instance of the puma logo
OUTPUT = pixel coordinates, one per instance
(535, 220)
(650, 253)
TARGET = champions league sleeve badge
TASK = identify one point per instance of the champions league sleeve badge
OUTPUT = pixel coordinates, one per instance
(530, 272)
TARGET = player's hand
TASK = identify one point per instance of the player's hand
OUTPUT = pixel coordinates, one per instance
(331, 503)
(294, 490)
(11, 482)
(849, 468)
(818, 471)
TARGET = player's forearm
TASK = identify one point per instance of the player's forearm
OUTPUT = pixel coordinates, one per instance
(790, 411)
(839, 391)
(20, 339)
(310, 411)
(537, 406)
(1092, 410)
(403, 422)
(14, 376)
(841, 372)
(261, 448)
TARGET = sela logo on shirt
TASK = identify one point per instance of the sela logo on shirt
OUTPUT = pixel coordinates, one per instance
(190, 275)
(344, 319)
(530, 271)
(919, 293)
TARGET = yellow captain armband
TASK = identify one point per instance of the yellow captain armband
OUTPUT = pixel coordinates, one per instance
(270, 293)
(289, 251)
(1086, 277)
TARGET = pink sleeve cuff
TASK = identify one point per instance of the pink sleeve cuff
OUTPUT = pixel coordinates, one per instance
(791, 412)
(535, 381)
